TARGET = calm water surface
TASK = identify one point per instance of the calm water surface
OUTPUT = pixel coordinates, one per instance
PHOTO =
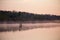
(50, 33)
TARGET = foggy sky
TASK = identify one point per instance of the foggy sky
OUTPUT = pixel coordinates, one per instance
(32, 6)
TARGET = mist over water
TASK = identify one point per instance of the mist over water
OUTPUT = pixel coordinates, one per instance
(31, 31)
(50, 33)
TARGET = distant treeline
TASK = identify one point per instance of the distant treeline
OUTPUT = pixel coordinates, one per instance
(25, 16)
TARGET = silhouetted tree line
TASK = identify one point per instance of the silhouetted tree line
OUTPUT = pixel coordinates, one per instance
(25, 16)
(21, 17)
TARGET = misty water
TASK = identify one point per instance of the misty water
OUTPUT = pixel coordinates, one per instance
(34, 31)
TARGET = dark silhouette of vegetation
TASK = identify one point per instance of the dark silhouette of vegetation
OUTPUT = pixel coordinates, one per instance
(25, 16)
(8, 16)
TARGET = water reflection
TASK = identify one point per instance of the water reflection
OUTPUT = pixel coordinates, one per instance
(26, 26)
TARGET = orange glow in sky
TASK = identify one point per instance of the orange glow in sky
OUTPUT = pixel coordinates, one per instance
(32, 6)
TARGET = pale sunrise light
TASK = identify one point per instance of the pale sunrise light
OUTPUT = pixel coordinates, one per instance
(32, 6)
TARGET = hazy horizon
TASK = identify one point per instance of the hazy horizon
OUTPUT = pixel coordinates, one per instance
(32, 6)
